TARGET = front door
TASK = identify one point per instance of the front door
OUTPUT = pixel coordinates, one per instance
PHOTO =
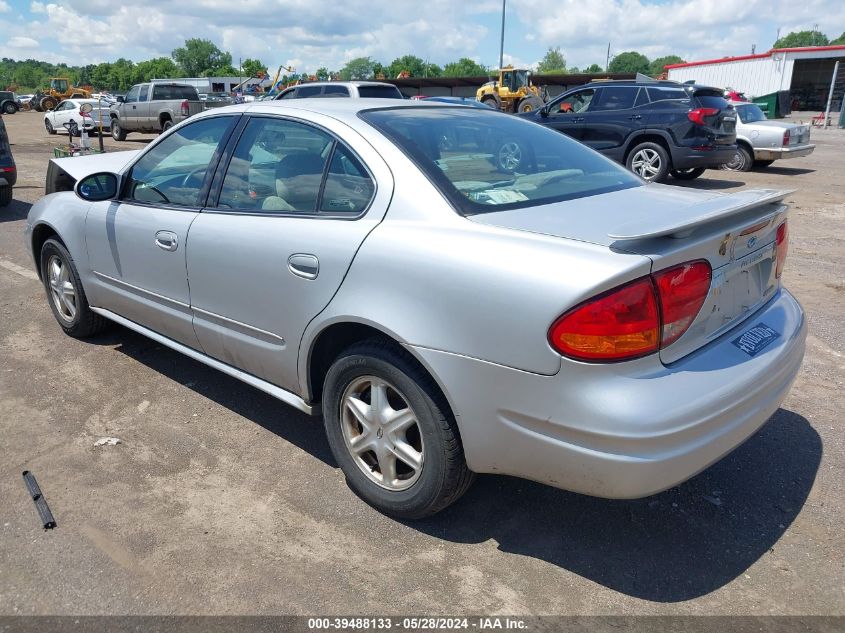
(136, 244)
(567, 113)
(293, 208)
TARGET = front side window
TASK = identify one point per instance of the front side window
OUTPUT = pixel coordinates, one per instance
(277, 167)
(483, 161)
(289, 94)
(132, 95)
(574, 103)
(173, 171)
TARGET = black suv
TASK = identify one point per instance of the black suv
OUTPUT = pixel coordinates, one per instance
(655, 128)
(8, 170)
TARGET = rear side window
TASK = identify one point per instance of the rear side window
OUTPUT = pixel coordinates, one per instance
(348, 187)
(308, 91)
(614, 98)
(667, 94)
(165, 92)
(379, 92)
(336, 91)
(145, 92)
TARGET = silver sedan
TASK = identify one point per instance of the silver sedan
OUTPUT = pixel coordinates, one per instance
(455, 290)
(761, 141)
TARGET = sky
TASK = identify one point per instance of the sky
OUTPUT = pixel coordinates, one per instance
(309, 34)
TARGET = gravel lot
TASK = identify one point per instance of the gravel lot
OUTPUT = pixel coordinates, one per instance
(221, 500)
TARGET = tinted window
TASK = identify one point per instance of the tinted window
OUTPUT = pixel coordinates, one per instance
(164, 92)
(145, 92)
(614, 98)
(750, 113)
(379, 92)
(308, 91)
(574, 102)
(277, 167)
(483, 161)
(290, 94)
(666, 94)
(339, 91)
(174, 170)
(348, 187)
(711, 101)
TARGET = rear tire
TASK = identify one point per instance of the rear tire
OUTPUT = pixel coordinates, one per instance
(48, 103)
(5, 195)
(688, 174)
(49, 127)
(10, 108)
(371, 453)
(65, 293)
(117, 132)
(649, 161)
(743, 160)
(166, 125)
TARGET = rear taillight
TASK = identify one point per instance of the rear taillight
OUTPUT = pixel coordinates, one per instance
(185, 109)
(697, 115)
(6, 170)
(635, 319)
(782, 245)
(682, 291)
(786, 137)
(619, 324)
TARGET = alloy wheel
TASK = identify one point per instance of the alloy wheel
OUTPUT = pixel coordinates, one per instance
(381, 433)
(61, 288)
(510, 156)
(646, 163)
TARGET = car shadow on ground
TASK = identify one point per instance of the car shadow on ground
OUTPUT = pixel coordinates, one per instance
(784, 171)
(17, 210)
(706, 182)
(671, 547)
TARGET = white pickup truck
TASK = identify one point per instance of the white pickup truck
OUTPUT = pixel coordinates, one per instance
(153, 107)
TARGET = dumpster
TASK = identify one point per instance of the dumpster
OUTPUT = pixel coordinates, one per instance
(776, 105)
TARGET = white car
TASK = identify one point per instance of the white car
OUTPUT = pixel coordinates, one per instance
(69, 118)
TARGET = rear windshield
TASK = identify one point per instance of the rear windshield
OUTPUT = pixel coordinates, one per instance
(380, 92)
(164, 92)
(485, 161)
(750, 113)
(712, 101)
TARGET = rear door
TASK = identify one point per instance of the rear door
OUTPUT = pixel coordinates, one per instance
(610, 119)
(294, 204)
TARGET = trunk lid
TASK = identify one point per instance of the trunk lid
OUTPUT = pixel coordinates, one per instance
(734, 233)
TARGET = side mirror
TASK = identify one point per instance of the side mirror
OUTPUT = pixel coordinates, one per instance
(97, 187)
(544, 112)
(120, 98)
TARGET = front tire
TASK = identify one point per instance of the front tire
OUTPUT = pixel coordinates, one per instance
(65, 293)
(743, 160)
(117, 132)
(391, 432)
(688, 174)
(649, 161)
(530, 103)
(10, 108)
(492, 102)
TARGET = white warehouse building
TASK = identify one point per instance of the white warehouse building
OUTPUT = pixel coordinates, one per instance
(804, 72)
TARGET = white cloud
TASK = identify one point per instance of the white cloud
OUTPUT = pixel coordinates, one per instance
(22, 42)
(4, 6)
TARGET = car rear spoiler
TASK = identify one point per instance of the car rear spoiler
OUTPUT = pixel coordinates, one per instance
(687, 219)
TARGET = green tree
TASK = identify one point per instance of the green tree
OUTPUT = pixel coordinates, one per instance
(251, 67)
(122, 74)
(202, 58)
(358, 68)
(658, 64)
(553, 62)
(464, 67)
(322, 73)
(414, 65)
(629, 62)
(839, 40)
(797, 39)
(157, 68)
(593, 69)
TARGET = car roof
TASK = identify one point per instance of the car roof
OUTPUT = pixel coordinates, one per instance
(343, 83)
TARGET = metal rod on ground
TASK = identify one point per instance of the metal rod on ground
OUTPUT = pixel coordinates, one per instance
(830, 94)
(47, 519)
(502, 42)
(100, 117)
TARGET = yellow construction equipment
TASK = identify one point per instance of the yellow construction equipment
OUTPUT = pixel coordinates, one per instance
(512, 92)
(59, 90)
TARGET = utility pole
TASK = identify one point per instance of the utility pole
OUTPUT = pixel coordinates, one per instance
(502, 43)
(607, 61)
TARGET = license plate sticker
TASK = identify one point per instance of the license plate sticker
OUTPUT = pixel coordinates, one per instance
(754, 340)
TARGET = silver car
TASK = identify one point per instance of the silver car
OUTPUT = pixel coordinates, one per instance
(761, 141)
(447, 312)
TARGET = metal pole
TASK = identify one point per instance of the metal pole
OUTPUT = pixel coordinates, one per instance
(830, 94)
(607, 60)
(502, 43)
(100, 116)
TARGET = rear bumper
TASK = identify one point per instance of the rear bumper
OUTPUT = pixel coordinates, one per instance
(686, 157)
(783, 152)
(627, 430)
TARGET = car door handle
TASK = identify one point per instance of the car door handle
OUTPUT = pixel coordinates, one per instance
(578, 120)
(636, 117)
(167, 240)
(304, 265)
